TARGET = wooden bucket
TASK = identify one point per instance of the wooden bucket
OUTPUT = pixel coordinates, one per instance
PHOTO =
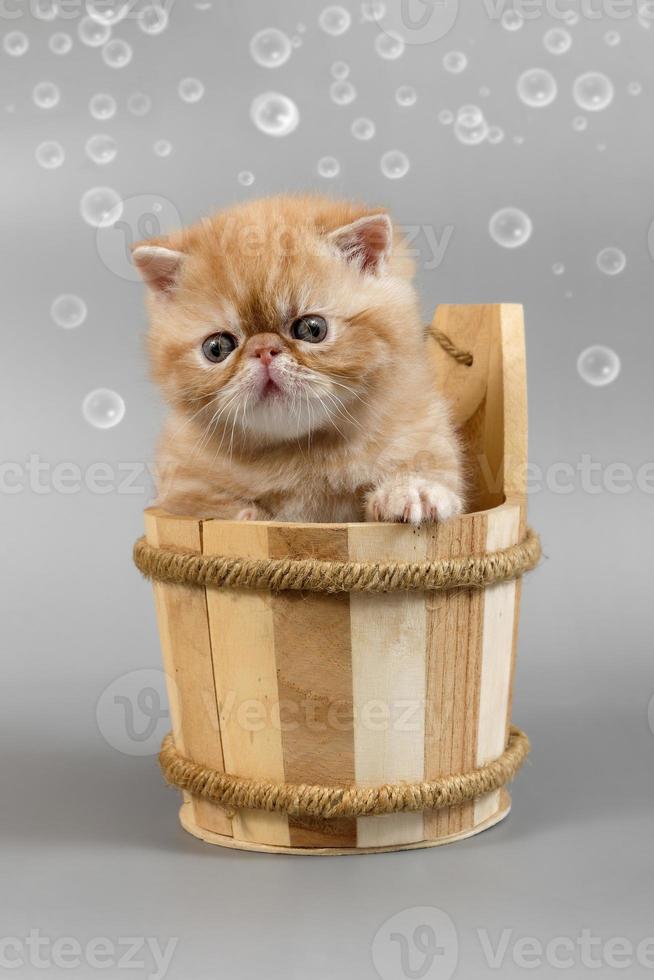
(305, 687)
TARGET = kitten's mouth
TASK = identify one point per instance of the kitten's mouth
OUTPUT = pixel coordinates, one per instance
(271, 389)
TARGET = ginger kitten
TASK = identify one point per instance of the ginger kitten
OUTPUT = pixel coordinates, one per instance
(287, 338)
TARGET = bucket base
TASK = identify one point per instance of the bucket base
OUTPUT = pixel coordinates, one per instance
(209, 837)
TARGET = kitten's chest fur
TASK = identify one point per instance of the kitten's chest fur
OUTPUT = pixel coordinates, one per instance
(323, 487)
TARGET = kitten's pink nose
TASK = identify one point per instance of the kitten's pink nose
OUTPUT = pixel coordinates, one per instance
(265, 350)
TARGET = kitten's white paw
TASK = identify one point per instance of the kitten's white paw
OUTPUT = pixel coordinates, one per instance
(251, 513)
(413, 500)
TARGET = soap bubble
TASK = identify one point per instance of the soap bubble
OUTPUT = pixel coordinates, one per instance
(343, 92)
(92, 33)
(15, 43)
(46, 95)
(484, 91)
(611, 261)
(163, 148)
(50, 154)
(102, 106)
(446, 117)
(557, 40)
(329, 167)
(270, 48)
(579, 124)
(103, 408)
(470, 127)
(363, 128)
(593, 91)
(45, 9)
(60, 43)
(598, 365)
(373, 11)
(612, 38)
(455, 62)
(117, 53)
(634, 88)
(495, 134)
(246, 178)
(395, 164)
(558, 268)
(510, 227)
(101, 207)
(274, 114)
(536, 87)
(340, 70)
(470, 114)
(108, 11)
(153, 19)
(389, 46)
(335, 20)
(101, 148)
(139, 103)
(190, 89)
(68, 311)
(406, 95)
(512, 20)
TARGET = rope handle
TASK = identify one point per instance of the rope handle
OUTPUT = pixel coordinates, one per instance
(461, 356)
(313, 575)
(330, 802)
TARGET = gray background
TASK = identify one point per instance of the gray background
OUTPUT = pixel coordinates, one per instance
(91, 842)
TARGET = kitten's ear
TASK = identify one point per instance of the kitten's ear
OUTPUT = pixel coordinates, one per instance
(367, 242)
(159, 266)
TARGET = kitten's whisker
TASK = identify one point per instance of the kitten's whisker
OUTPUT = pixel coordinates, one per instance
(329, 416)
(342, 410)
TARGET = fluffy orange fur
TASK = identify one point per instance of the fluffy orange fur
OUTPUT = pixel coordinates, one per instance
(346, 429)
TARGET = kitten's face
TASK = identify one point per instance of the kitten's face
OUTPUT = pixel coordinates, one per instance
(273, 322)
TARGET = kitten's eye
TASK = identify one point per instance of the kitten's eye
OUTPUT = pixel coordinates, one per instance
(219, 346)
(312, 329)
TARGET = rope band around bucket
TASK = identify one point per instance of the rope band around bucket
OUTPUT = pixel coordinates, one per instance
(313, 575)
(330, 802)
